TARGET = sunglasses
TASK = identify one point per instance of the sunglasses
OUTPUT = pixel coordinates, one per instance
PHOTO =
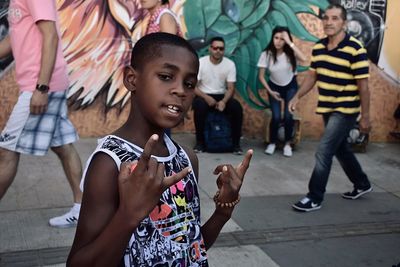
(220, 48)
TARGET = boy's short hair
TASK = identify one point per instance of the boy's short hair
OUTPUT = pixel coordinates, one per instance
(217, 39)
(149, 47)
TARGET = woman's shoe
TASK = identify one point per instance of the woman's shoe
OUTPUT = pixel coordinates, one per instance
(270, 149)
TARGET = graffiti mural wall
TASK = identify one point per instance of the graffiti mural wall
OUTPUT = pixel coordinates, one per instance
(98, 35)
(373, 22)
(6, 62)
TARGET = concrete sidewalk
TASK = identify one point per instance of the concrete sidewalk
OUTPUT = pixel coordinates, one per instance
(264, 230)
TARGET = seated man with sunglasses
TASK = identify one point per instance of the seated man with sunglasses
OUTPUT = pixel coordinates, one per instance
(215, 90)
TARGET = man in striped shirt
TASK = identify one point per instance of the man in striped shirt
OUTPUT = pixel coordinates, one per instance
(339, 67)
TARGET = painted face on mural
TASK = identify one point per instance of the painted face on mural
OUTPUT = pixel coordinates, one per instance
(217, 50)
(169, 81)
(333, 22)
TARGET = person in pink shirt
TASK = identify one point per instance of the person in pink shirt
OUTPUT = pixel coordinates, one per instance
(39, 119)
(161, 18)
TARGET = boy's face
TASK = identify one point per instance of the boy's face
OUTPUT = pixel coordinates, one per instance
(163, 89)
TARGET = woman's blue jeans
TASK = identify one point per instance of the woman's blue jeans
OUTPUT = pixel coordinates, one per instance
(334, 143)
(286, 92)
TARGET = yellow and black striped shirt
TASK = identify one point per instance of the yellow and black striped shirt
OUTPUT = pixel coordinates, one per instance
(337, 73)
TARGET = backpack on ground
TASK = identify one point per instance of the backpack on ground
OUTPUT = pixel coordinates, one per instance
(217, 133)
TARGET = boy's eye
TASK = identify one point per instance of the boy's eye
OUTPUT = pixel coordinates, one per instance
(190, 85)
(165, 77)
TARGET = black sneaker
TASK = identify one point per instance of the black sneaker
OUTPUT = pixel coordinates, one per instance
(356, 193)
(237, 150)
(306, 204)
(198, 148)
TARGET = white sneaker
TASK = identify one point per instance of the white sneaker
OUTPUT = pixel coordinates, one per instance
(270, 149)
(68, 219)
(287, 151)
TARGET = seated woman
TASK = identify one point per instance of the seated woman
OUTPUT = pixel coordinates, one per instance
(279, 59)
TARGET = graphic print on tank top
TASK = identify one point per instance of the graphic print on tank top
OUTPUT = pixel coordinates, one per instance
(170, 235)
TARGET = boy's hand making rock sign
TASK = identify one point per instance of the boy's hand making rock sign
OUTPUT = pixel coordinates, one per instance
(142, 182)
(229, 182)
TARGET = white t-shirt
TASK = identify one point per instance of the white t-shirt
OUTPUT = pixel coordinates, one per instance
(213, 77)
(281, 72)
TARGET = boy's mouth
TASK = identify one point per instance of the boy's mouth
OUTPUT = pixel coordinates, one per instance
(173, 109)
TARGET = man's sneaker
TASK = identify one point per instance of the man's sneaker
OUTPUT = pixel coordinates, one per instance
(287, 151)
(69, 219)
(306, 204)
(356, 193)
(198, 148)
(270, 149)
(237, 150)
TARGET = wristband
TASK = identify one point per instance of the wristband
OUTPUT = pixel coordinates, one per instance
(225, 204)
(291, 45)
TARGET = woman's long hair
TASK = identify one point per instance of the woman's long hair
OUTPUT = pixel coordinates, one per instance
(286, 48)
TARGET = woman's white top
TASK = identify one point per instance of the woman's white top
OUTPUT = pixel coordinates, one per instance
(281, 72)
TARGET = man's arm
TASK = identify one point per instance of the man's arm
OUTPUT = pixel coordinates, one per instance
(210, 101)
(230, 91)
(306, 86)
(5, 47)
(49, 50)
(49, 34)
(364, 98)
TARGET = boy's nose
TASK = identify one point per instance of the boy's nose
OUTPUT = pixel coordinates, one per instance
(178, 89)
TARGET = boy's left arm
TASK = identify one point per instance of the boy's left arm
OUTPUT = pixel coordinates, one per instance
(229, 182)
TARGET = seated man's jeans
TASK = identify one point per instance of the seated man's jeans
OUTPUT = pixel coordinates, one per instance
(233, 110)
(334, 143)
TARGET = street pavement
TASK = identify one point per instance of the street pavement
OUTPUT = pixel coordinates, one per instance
(264, 229)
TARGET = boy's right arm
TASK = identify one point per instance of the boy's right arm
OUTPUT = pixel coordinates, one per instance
(102, 234)
(113, 205)
(5, 47)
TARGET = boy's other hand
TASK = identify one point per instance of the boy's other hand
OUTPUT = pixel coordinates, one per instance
(142, 182)
(230, 181)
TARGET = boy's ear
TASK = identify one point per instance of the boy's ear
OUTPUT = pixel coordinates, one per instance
(130, 78)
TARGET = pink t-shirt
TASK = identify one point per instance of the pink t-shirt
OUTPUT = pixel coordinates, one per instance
(26, 43)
